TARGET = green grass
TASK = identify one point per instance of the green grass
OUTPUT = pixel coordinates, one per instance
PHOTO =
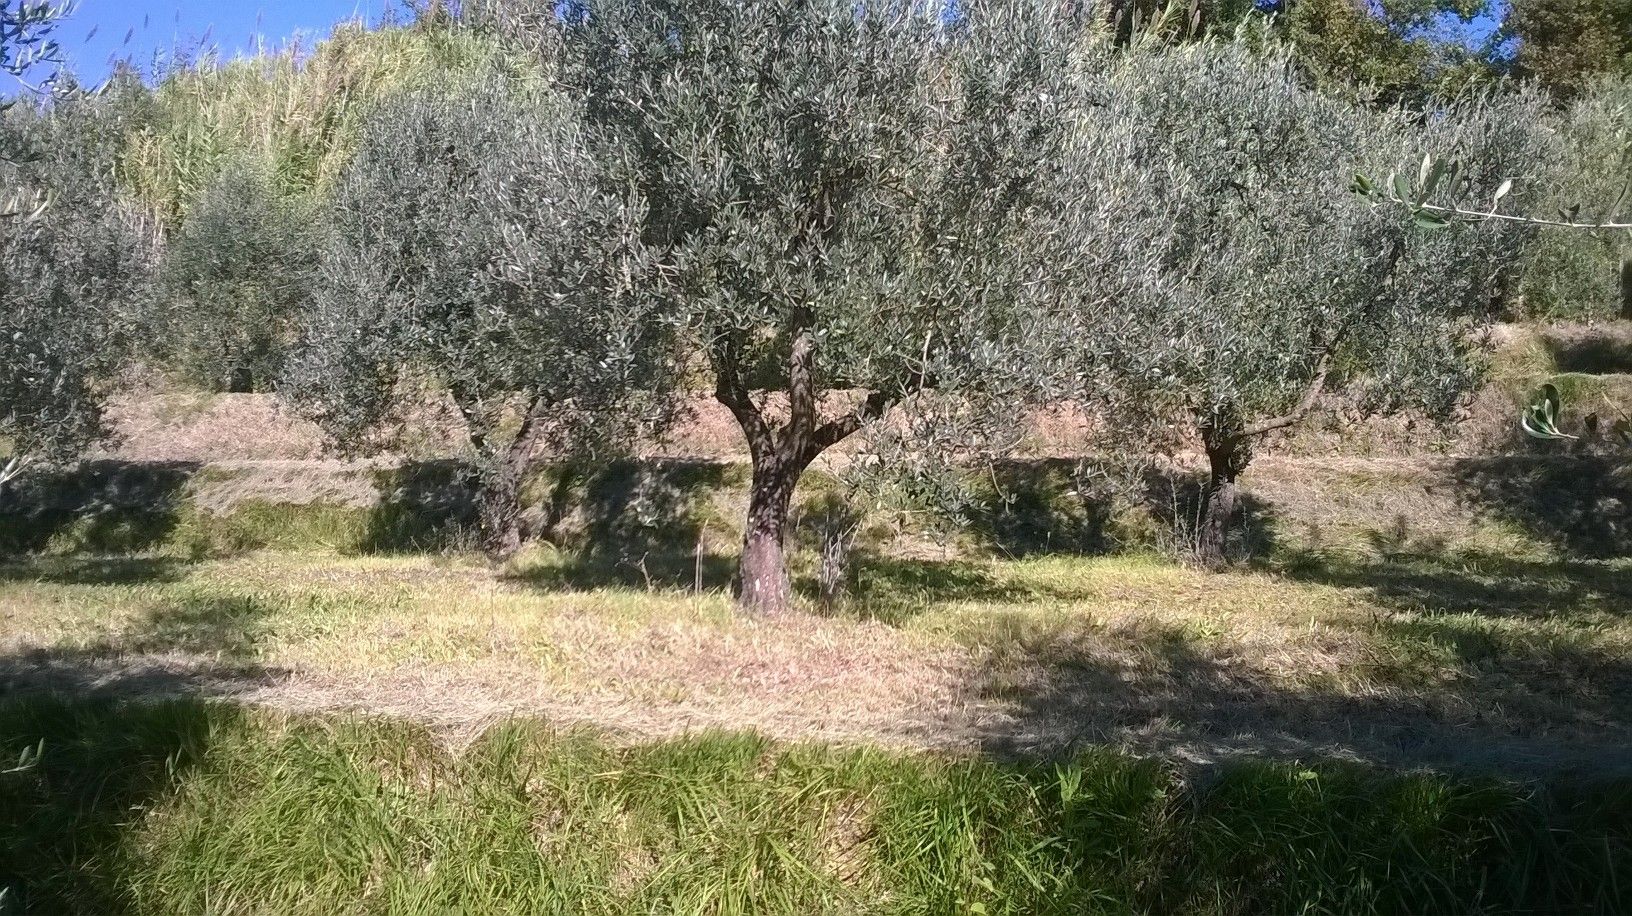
(194, 808)
(1469, 650)
(1477, 643)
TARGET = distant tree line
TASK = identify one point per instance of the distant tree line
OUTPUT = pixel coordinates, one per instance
(912, 222)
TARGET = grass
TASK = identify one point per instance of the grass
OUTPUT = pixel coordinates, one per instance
(1342, 727)
(187, 807)
(1397, 660)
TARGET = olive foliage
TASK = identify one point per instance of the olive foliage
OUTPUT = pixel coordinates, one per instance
(836, 189)
(234, 279)
(475, 243)
(71, 270)
(1263, 283)
(1573, 274)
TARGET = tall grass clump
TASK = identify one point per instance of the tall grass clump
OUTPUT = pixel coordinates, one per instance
(301, 112)
(189, 808)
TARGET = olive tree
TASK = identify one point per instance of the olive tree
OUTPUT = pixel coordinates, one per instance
(1271, 284)
(475, 242)
(1588, 272)
(28, 37)
(235, 279)
(71, 268)
(837, 189)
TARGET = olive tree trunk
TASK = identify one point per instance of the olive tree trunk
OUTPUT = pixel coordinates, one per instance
(500, 480)
(780, 451)
(1228, 452)
(764, 582)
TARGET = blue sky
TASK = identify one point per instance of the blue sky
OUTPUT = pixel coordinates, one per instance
(161, 26)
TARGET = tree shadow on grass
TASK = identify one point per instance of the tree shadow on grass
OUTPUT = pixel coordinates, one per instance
(64, 818)
(894, 590)
(1176, 695)
(193, 643)
(1470, 581)
(101, 507)
(122, 725)
(667, 571)
(1581, 504)
(1089, 507)
(634, 525)
(424, 506)
(95, 571)
(627, 509)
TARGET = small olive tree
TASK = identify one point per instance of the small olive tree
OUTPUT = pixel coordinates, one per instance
(72, 267)
(1263, 284)
(475, 242)
(838, 190)
(234, 280)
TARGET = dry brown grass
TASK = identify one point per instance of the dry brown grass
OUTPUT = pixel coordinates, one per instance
(1025, 657)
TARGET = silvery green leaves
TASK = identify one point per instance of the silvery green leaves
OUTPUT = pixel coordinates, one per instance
(1225, 282)
(842, 194)
(1448, 190)
(1544, 420)
(1540, 420)
(1418, 197)
(27, 35)
(68, 276)
(475, 246)
(234, 279)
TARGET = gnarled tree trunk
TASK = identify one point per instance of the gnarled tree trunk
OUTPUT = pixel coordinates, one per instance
(1227, 456)
(765, 585)
(499, 515)
(780, 453)
(500, 479)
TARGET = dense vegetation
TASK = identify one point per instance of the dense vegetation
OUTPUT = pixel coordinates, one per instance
(884, 239)
(250, 812)
(821, 217)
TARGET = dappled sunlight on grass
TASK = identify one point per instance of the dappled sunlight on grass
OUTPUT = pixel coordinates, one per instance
(183, 806)
(1025, 655)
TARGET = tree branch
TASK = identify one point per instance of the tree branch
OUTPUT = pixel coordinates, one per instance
(1513, 218)
(471, 411)
(518, 457)
(838, 429)
(725, 358)
(1304, 405)
(1323, 365)
(801, 385)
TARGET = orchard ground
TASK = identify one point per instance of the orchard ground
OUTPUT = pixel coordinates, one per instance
(1415, 696)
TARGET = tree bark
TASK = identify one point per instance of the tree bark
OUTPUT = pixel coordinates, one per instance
(1626, 284)
(780, 454)
(765, 585)
(1227, 456)
(500, 510)
(500, 516)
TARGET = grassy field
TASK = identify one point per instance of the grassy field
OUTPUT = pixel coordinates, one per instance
(192, 808)
(1470, 660)
(1408, 703)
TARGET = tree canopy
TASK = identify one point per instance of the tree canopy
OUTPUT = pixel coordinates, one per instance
(69, 271)
(475, 243)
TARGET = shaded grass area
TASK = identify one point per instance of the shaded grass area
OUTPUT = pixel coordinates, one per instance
(122, 507)
(187, 808)
(1473, 661)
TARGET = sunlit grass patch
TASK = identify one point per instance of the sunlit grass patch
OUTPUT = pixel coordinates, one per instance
(1042, 651)
(186, 807)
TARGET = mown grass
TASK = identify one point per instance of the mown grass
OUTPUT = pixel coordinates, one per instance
(1519, 646)
(196, 808)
